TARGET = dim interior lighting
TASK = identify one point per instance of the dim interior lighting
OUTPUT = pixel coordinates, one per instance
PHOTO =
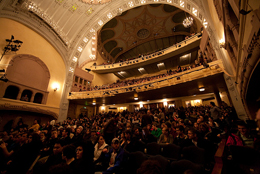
(202, 89)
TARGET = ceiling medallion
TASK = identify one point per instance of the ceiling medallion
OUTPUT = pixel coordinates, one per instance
(187, 22)
(143, 33)
(96, 1)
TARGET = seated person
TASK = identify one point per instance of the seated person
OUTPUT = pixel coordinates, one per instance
(156, 131)
(165, 137)
(179, 139)
(242, 137)
(54, 159)
(114, 158)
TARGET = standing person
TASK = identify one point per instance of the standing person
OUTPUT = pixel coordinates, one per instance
(215, 111)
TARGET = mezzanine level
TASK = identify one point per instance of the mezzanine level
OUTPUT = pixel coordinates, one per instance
(214, 68)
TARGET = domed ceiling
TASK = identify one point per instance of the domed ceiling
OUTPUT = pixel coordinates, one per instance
(143, 30)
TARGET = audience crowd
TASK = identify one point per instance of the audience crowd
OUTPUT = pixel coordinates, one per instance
(102, 143)
(122, 83)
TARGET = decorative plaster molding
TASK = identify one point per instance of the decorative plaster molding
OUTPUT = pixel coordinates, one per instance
(8, 106)
(34, 22)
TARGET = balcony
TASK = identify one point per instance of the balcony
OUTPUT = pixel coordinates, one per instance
(177, 49)
(214, 68)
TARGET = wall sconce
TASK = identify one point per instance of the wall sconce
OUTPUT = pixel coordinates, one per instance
(135, 96)
(94, 102)
(12, 46)
(55, 86)
(222, 43)
(201, 89)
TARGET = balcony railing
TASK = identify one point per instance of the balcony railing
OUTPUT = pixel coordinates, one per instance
(148, 57)
(181, 77)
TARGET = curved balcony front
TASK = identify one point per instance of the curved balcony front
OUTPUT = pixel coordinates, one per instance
(214, 68)
(177, 49)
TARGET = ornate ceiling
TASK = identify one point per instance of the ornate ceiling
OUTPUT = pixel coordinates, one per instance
(142, 30)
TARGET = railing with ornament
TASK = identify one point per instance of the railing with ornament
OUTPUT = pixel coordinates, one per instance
(181, 77)
(148, 57)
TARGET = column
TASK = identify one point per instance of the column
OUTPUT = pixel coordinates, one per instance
(32, 97)
(178, 103)
(19, 94)
(236, 100)
(217, 97)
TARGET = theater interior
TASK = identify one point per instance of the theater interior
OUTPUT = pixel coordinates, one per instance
(67, 58)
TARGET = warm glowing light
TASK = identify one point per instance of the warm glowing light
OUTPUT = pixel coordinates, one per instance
(80, 49)
(131, 4)
(109, 15)
(100, 22)
(181, 3)
(85, 40)
(55, 86)
(141, 104)
(75, 59)
(195, 11)
(202, 89)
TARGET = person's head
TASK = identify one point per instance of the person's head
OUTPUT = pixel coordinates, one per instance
(68, 152)
(54, 134)
(136, 131)
(24, 137)
(150, 167)
(154, 126)
(179, 130)
(101, 140)
(93, 133)
(128, 134)
(192, 134)
(79, 152)
(203, 127)
(165, 131)
(35, 121)
(212, 104)
(66, 132)
(79, 129)
(115, 144)
(242, 128)
(196, 125)
(58, 147)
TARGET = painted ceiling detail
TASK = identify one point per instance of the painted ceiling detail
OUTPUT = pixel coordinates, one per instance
(142, 30)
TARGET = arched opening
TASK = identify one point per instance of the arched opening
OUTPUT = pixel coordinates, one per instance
(253, 93)
(38, 98)
(11, 92)
(26, 95)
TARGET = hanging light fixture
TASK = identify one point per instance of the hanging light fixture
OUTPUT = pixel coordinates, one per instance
(187, 22)
(96, 1)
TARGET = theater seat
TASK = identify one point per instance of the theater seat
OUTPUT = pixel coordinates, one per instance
(163, 162)
(179, 167)
(194, 154)
(171, 151)
(153, 149)
(135, 161)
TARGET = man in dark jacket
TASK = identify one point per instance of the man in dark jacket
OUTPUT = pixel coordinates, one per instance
(114, 158)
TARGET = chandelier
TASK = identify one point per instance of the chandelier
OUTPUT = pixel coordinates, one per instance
(187, 22)
(96, 1)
